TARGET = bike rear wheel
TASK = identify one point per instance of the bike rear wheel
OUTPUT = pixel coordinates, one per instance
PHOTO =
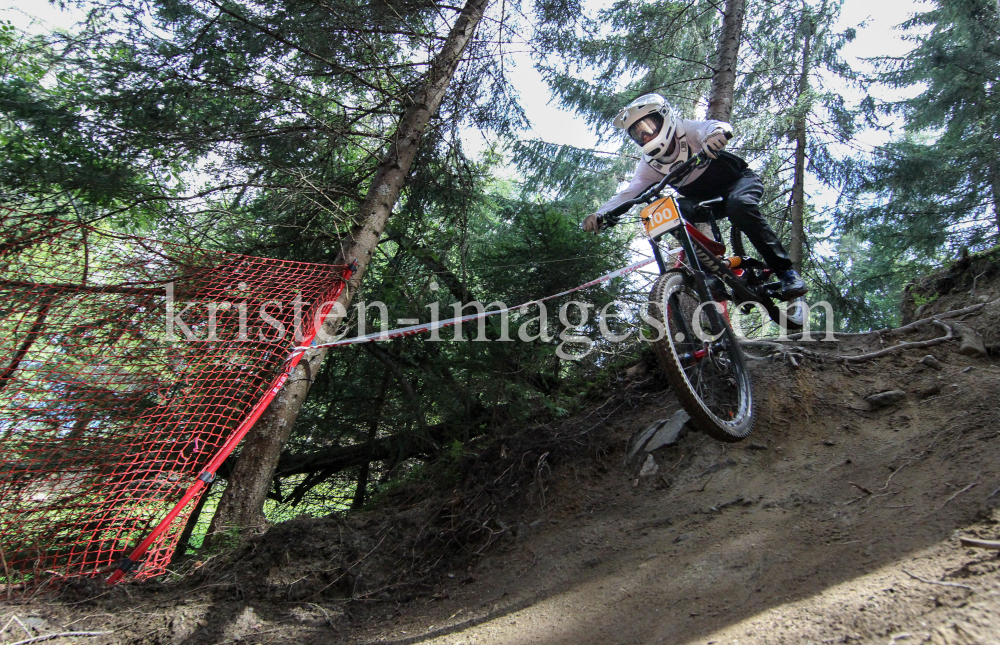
(709, 376)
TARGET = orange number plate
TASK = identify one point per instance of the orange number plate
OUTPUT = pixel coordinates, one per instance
(661, 216)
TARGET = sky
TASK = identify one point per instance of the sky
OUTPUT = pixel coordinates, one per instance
(38, 15)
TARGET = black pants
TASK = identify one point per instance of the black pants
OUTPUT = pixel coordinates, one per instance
(742, 207)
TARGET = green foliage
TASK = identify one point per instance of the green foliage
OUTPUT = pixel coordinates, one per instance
(932, 189)
(920, 299)
(48, 150)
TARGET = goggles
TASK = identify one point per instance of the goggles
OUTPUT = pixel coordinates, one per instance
(645, 129)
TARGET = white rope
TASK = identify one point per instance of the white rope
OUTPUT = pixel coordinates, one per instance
(440, 324)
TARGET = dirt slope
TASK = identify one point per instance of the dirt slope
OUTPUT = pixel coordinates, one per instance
(833, 523)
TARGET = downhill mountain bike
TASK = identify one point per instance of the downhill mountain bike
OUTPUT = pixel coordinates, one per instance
(690, 301)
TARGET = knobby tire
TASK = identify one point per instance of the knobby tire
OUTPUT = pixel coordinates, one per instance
(716, 392)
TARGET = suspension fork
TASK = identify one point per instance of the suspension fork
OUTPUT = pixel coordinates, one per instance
(660, 262)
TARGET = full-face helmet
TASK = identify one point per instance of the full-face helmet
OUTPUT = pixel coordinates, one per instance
(652, 123)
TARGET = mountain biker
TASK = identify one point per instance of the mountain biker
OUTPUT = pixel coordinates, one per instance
(668, 141)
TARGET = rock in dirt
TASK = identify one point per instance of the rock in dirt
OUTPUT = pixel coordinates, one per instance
(930, 390)
(658, 434)
(885, 399)
(649, 467)
(970, 342)
(638, 441)
(670, 432)
(35, 622)
(931, 361)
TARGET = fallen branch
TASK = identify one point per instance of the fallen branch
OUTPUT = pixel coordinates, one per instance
(861, 488)
(7, 625)
(895, 349)
(782, 349)
(702, 489)
(936, 582)
(993, 545)
(59, 635)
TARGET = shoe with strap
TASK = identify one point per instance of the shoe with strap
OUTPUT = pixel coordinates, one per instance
(792, 284)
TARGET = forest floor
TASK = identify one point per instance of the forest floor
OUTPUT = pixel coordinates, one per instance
(833, 523)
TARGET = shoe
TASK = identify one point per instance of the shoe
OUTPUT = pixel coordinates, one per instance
(792, 284)
(795, 314)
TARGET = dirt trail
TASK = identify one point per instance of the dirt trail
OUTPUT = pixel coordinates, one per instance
(803, 535)
(833, 523)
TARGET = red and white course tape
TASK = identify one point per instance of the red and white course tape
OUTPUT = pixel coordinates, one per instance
(440, 324)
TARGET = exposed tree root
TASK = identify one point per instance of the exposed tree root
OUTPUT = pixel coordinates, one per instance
(794, 353)
(896, 331)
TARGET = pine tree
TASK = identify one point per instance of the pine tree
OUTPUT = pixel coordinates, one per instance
(795, 113)
(242, 503)
(936, 186)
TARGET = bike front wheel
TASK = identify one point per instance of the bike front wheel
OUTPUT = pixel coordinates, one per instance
(706, 369)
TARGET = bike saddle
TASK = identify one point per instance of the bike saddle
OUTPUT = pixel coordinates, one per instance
(709, 204)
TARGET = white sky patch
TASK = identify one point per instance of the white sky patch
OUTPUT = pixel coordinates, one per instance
(549, 121)
(39, 16)
(879, 37)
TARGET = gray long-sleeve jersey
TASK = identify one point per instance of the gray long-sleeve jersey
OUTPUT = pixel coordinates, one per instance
(646, 174)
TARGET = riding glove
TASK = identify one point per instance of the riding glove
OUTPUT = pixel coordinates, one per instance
(714, 142)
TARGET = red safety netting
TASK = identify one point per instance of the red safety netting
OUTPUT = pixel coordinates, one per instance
(106, 420)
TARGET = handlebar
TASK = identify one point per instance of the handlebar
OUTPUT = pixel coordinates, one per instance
(654, 190)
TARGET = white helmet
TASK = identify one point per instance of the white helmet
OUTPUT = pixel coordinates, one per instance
(652, 123)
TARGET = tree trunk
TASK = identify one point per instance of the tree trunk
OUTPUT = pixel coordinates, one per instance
(795, 249)
(996, 195)
(720, 96)
(243, 501)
